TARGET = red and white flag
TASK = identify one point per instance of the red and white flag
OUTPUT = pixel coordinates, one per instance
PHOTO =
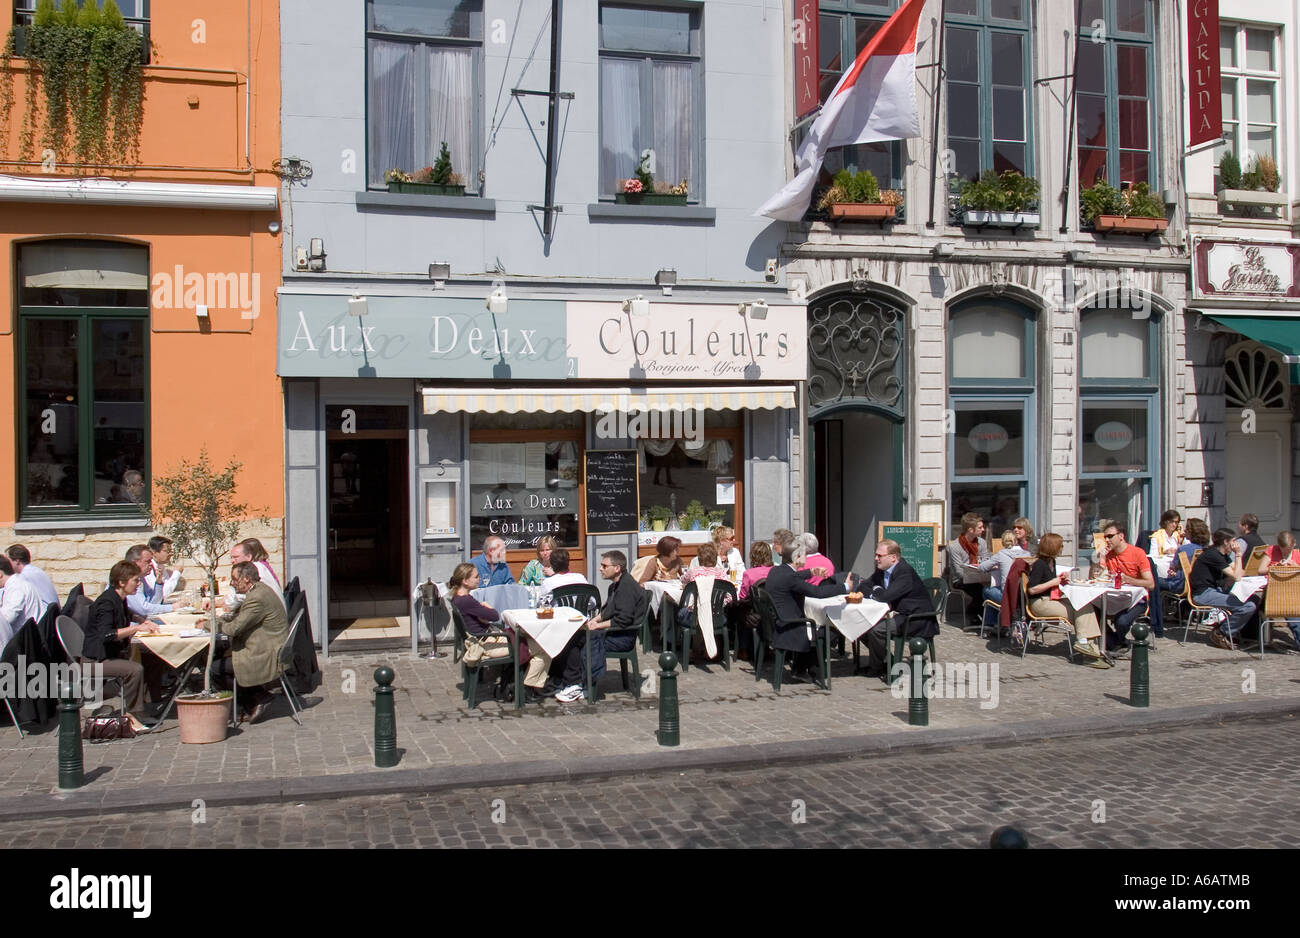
(874, 100)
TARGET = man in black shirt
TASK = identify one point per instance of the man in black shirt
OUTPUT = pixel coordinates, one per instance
(1248, 535)
(1213, 574)
(613, 629)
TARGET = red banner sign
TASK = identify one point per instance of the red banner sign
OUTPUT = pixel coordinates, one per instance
(803, 34)
(1206, 104)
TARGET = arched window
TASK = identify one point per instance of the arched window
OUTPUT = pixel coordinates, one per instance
(991, 381)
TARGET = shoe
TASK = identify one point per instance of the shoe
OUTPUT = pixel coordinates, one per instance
(1088, 650)
(533, 695)
(570, 694)
(258, 713)
(1101, 664)
(1119, 651)
(1219, 640)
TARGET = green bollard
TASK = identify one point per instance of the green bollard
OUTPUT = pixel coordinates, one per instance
(669, 721)
(1008, 838)
(385, 720)
(71, 773)
(918, 706)
(1139, 672)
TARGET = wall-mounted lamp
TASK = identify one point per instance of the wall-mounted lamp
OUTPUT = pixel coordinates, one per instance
(497, 301)
(757, 310)
(943, 249)
(201, 311)
(273, 227)
(439, 273)
(358, 305)
(636, 306)
(666, 279)
(316, 254)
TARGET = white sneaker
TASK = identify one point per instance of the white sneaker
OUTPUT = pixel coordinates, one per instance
(570, 694)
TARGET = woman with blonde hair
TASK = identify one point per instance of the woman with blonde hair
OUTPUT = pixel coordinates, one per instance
(538, 569)
(729, 557)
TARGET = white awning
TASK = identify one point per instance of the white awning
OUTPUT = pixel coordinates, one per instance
(551, 401)
(146, 194)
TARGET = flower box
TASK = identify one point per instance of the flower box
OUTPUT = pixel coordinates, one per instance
(977, 218)
(649, 198)
(425, 188)
(1253, 197)
(862, 211)
(1132, 224)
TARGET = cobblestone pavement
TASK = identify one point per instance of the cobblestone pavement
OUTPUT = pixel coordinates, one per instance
(1213, 786)
(718, 708)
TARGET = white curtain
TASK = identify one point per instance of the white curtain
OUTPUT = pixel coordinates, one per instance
(451, 98)
(620, 120)
(674, 107)
(392, 108)
(420, 95)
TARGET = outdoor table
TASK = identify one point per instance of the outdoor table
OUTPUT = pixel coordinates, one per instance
(852, 620)
(176, 647)
(506, 595)
(1248, 586)
(552, 636)
(1103, 592)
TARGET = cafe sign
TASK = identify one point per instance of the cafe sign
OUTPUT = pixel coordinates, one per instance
(987, 438)
(1113, 436)
(1254, 270)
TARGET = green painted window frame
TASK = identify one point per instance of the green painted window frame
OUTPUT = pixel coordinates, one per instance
(87, 508)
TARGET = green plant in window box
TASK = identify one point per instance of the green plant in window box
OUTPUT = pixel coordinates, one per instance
(1252, 191)
(716, 517)
(1005, 200)
(659, 515)
(858, 197)
(84, 83)
(1229, 171)
(437, 179)
(695, 515)
(642, 189)
(1136, 210)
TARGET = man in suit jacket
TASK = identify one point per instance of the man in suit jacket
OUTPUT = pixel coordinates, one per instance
(257, 630)
(788, 588)
(896, 584)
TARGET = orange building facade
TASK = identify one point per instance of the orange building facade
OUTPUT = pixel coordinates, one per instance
(138, 300)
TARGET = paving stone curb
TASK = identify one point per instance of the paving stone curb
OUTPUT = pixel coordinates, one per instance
(90, 801)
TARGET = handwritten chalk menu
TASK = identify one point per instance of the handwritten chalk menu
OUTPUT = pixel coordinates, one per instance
(918, 542)
(613, 491)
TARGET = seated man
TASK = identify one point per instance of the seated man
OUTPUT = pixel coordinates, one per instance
(160, 580)
(969, 550)
(256, 630)
(19, 601)
(492, 567)
(21, 558)
(788, 588)
(1212, 577)
(562, 576)
(614, 628)
(1135, 570)
(896, 584)
(138, 604)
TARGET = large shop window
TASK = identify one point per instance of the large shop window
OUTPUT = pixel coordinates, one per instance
(689, 483)
(1252, 85)
(1118, 421)
(987, 69)
(83, 373)
(991, 376)
(424, 89)
(651, 95)
(1115, 83)
(844, 28)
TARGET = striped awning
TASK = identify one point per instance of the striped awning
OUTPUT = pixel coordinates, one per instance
(551, 401)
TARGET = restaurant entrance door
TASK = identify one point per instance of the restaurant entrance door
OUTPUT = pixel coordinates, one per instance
(857, 476)
(367, 535)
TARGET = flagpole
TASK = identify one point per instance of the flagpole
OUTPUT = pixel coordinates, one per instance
(938, 96)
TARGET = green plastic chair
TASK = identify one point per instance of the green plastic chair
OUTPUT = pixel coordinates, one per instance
(718, 601)
(470, 676)
(767, 618)
(622, 657)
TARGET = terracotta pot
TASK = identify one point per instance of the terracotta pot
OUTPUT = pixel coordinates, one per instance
(861, 211)
(203, 720)
(1131, 225)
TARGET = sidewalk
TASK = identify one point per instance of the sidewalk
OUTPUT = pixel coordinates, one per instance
(726, 719)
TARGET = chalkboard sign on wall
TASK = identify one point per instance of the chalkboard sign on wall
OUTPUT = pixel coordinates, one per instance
(918, 541)
(613, 491)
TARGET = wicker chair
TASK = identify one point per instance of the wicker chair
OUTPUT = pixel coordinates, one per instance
(1281, 601)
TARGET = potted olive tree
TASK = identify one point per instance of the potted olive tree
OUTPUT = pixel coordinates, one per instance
(1136, 210)
(195, 506)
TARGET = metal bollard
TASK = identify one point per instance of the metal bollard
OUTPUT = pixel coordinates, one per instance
(1008, 838)
(1139, 673)
(669, 720)
(385, 719)
(71, 772)
(918, 705)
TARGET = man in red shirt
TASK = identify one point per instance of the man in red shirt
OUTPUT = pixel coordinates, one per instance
(1135, 570)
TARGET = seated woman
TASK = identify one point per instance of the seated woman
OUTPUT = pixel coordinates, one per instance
(666, 564)
(1045, 601)
(1281, 554)
(705, 564)
(480, 617)
(729, 559)
(1166, 539)
(538, 569)
(1196, 537)
(108, 638)
(744, 613)
(1000, 565)
(813, 560)
(1024, 532)
(1213, 575)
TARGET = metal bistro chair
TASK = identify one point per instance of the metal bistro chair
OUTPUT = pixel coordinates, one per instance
(285, 659)
(470, 676)
(73, 640)
(768, 620)
(1041, 625)
(895, 642)
(717, 604)
(1196, 613)
(1281, 601)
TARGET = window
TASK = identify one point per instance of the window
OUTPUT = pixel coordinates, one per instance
(135, 12)
(693, 478)
(991, 376)
(83, 378)
(1114, 73)
(1118, 421)
(1249, 57)
(986, 63)
(843, 32)
(424, 62)
(651, 96)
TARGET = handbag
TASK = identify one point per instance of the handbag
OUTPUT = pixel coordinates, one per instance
(486, 647)
(98, 729)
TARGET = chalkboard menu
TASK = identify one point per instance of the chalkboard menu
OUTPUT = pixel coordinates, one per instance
(919, 542)
(613, 492)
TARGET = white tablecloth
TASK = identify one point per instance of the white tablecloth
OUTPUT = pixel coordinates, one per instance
(551, 635)
(506, 595)
(1248, 586)
(852, 620)
(1162, 565)
(1110, 599)
(657, 589)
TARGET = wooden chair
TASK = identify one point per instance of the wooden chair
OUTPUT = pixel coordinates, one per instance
(1196, 613)
(1043, 624)
(1256, 558)
(1281, 601)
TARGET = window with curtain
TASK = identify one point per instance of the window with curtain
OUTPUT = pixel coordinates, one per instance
(991, 382)
(987, 68)
(83, 379)
(651, 96)
(1115, 88)
(1252, 83)
(423, 61)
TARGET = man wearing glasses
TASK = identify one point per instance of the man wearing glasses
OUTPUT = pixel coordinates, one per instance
(614, 628)
(1135, 570)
